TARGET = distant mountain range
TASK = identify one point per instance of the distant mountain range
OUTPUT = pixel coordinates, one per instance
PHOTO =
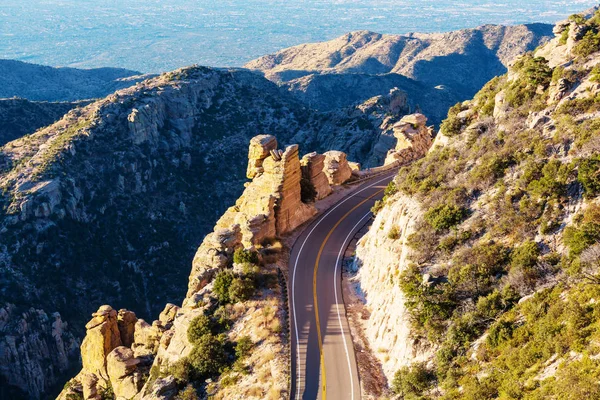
(436, 70)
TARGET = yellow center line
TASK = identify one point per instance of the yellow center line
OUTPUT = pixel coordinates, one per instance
(322, 357)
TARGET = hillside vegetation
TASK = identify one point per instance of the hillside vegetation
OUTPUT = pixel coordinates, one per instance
(511, 234)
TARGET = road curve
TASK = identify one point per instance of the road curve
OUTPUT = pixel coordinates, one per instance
(323, 361)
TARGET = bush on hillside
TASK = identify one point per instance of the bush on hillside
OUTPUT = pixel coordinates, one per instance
(243, 256)
(445, 216)
(411, 382)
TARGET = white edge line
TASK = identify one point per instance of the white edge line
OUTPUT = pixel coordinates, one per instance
(298, 363)
(335, 290)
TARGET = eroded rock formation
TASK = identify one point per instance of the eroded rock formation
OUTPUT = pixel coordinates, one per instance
(414, 139)
(336, 167)
(312, 170)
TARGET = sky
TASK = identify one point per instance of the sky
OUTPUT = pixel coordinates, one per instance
(162, 35)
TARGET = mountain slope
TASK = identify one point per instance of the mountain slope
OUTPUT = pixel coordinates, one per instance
(480, 271)
(20, 117)
(109, 204)
(42, 83)
(458, 63)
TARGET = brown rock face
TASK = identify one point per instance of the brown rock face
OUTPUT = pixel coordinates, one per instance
(312, 169)
(260, 148)
(122, 367)
(336, 168)
(101, 338)
(414, 139)
(290, 211)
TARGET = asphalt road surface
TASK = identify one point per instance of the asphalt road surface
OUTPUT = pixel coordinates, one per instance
(323, 361)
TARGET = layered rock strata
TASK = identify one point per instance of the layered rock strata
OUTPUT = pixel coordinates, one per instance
(312, 170)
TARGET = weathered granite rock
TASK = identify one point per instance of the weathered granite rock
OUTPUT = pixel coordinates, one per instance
(260, 148)
(101, 338)
(122, 367)
(147, 338)
(312, 170)
(336, 168)
(126, 322)
(414, 139)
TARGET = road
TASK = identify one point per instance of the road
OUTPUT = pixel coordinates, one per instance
(323, 361)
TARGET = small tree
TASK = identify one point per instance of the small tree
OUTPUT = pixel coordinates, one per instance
(200, 326)
(241, 289)
(221, 285)
(243, 347)
(243, 256)
(208, 358)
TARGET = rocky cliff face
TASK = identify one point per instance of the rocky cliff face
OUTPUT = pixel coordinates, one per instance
(446, 67)
(41, 83)
(125, 357)
(473, 268)
(110, 202)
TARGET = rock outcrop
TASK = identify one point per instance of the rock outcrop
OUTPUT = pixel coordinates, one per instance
(313, 165)
(336, 167)
(271, 206)
(414, 139)
(117, 353)
(260, 148)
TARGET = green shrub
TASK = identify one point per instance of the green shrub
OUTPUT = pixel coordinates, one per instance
(243, 256)
(452, 125)
(308, 193)
(208, 357)
(525, 255)
(589, 44)
(241, 289)
(589, 175)
(580, 236)
(394, 233)
(243, 347)
(221, 285)
(188, 393)
(445, 216)
(200, 326)
(411, 382)
(180, 371)
(500, 332)
(533, 72)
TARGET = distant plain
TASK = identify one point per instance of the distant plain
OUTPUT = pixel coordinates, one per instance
(155, 36)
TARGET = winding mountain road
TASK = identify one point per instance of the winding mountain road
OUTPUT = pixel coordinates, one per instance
(323, 361)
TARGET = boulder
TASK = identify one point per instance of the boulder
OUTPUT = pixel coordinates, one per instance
(260, 148)
(312, 170)
(336, 167)
(122, 367)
